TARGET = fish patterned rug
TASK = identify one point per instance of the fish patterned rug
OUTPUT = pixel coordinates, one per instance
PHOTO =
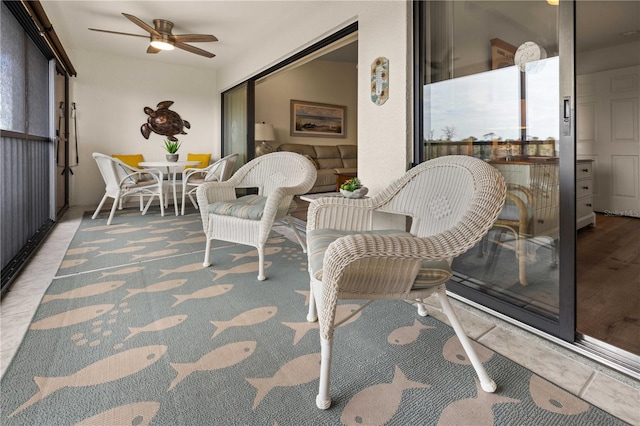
(149, 336)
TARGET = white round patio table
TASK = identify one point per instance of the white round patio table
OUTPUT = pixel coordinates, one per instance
(173, 167)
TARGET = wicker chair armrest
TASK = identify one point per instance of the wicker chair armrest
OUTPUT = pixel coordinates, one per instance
(190, 171)
(210, 192)
(394, 260)
(140, 174)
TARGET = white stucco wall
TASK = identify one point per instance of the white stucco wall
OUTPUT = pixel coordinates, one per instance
(111, 92)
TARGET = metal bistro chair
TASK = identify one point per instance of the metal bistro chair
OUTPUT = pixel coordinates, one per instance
(452, 201)
(122, 180)
(192, 178)
(248, 219)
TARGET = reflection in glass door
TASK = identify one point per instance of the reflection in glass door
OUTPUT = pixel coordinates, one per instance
(491, 89)
(235, 119)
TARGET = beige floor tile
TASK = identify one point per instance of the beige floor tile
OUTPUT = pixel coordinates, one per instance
(614, 397)
(548, 364)
(473, 325)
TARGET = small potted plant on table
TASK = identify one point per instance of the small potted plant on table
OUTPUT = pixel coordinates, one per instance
(172, 148)
(353, 188)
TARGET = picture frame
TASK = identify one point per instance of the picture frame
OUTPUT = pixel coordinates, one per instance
(313, 119)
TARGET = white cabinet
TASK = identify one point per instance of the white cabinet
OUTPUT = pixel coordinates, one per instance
(584, 194)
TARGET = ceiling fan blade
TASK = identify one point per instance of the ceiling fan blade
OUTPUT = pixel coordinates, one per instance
(152, 49)
(195, 38)
(139, 22)
(119, 33)
(193, 49)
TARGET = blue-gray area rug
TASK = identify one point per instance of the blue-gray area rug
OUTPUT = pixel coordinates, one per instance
(134, 331)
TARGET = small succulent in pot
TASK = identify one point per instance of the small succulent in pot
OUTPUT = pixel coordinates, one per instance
(351, 184)
(353, 188)
(171, 146)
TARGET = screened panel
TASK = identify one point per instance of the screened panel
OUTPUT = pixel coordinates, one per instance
(38, 91)
(26, 156)
(12, 67)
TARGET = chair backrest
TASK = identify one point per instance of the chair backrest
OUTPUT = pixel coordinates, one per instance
(108, 169)
(275, 170)
(446, 192)
(222, 169)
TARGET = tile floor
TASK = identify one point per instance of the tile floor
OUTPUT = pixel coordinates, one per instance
(605, 388)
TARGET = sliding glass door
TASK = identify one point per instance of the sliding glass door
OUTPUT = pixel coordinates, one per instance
(496, 82)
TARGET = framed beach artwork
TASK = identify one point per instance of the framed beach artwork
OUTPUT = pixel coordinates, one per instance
(318, 120)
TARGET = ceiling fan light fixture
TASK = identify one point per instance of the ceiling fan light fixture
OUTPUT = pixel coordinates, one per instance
(161, 44)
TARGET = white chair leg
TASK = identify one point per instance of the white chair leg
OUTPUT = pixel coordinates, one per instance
(161, 203)
(184, 196)
(261, 276)
(207, 252)
(95, 214)
(113, 209)
(193, 201)
(487, 384)
(297, 234)
(323, 399)
(312, 315)
(146, 207)
(422, 308)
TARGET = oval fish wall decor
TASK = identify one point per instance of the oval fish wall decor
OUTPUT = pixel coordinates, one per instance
(164, 122)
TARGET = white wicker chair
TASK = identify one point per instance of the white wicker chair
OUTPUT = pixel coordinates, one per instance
(122, 180)
(192, 178)
(248, 220)
(452, 203)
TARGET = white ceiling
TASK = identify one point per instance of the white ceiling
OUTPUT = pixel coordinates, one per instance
(236, 24)
(239, 24)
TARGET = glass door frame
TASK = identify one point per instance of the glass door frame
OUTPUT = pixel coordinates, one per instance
(565, 327)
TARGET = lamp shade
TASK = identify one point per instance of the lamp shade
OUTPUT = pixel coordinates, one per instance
(264, 132)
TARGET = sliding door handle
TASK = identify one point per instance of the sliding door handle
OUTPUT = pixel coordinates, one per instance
(566, 116)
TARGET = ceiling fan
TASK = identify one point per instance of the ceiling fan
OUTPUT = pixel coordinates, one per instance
(161, 38)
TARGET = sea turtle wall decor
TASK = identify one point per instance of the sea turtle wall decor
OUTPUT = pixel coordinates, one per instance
(164, 122)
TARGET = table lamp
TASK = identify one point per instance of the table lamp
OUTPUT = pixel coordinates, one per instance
(263, 133)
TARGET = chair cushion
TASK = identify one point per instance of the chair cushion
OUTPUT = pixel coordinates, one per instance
(132, 160)
(432, 272)
(246, 207)
(204, 160)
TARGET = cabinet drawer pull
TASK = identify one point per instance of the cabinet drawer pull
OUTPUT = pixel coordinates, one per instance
(585, 170)
(585, 187)
(588, 204)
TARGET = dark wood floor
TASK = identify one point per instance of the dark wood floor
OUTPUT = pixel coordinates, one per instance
(608, 277)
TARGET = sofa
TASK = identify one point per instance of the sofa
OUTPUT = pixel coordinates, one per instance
(328, 160)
